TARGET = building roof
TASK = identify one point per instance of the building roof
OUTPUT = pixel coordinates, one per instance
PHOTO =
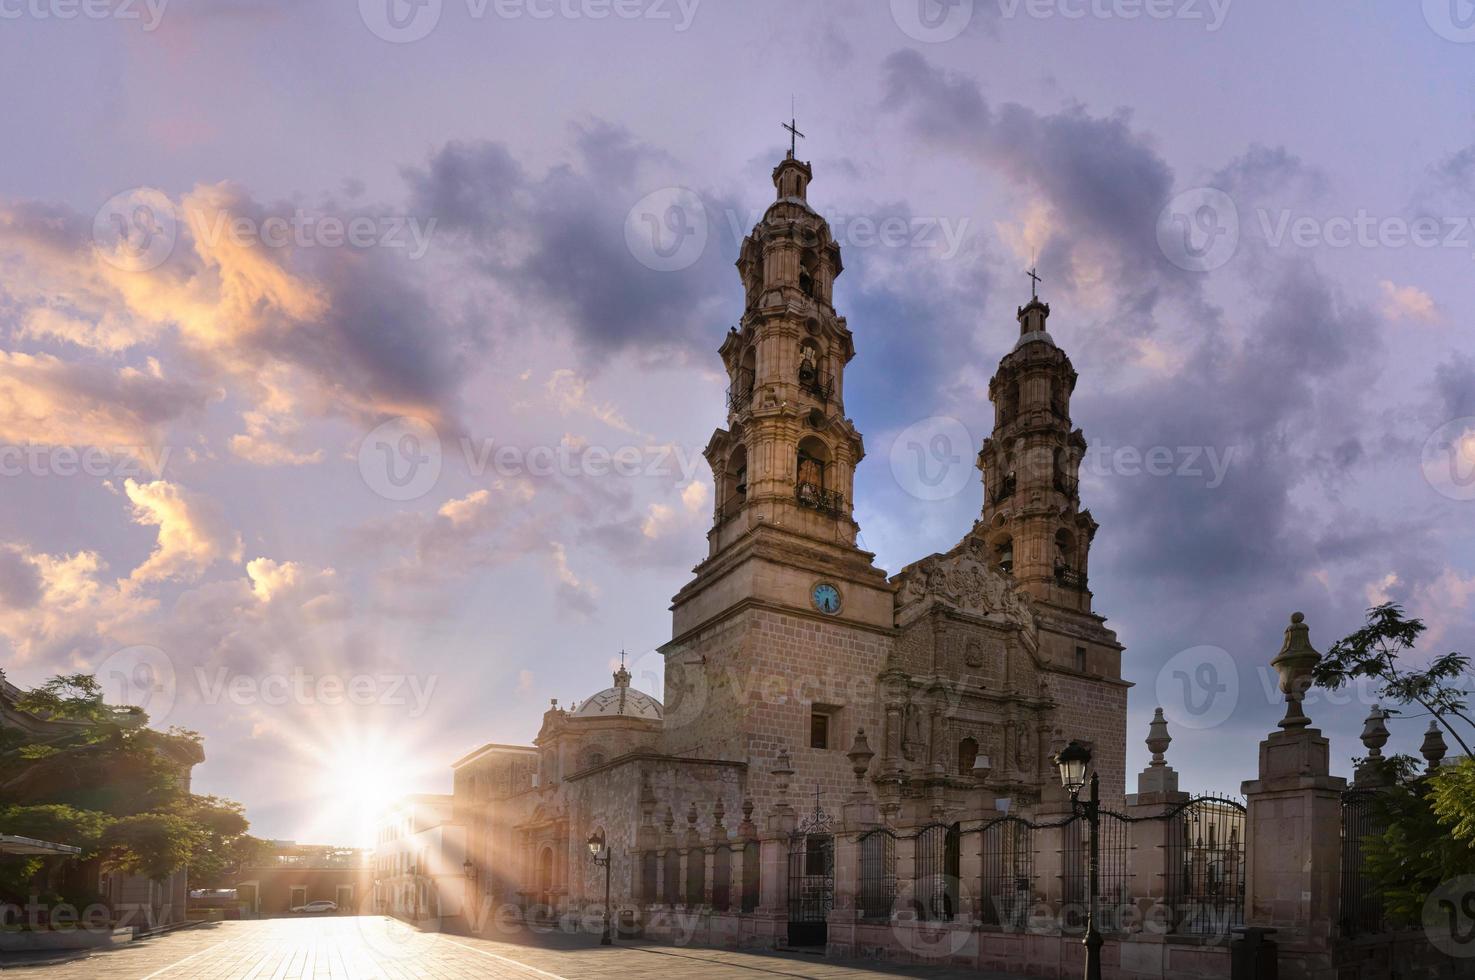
(622, 700)
(13, 844)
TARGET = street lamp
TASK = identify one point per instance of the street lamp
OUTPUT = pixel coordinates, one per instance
(601, 856)
(1073, 761)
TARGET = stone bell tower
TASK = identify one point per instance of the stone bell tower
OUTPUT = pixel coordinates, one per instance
(1036, 528)
(788, 456)
(784, 591)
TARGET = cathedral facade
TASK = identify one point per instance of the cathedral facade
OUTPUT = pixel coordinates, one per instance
(806, 690)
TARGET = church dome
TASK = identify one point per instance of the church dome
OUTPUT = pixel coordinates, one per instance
(622, 700)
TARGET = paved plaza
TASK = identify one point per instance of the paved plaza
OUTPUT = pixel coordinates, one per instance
(374, 947)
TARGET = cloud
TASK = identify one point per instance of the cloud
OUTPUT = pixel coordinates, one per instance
(1454, 382)
(554, 244)
(192, 533)
(1408, 303)
(47, 400)
(308, 328)
(574, 593)
(60, 609)
(427, 555)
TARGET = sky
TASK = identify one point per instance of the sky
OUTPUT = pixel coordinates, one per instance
(356, 358)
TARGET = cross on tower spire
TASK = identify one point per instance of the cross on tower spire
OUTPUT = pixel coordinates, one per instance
(1035, 280)
(793, 127)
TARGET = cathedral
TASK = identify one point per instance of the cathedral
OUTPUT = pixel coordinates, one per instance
(809, 695)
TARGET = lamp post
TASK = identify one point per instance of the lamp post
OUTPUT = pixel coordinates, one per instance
(601, 855)
(1073, 761)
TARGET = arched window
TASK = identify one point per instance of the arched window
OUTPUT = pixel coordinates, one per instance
(813, 462)
(1004, 554)
(735, 482)
(809, 274)
(967, 755)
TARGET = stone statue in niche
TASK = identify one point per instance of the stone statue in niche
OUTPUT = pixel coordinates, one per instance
(1025, 752)
(914, 734)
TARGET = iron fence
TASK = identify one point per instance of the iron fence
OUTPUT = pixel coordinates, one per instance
(877, 893)
(1007, 892)
(1206, 866)
(1361, 909)
(1114, 842)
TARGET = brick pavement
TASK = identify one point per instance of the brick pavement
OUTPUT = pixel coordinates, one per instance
(375, 947)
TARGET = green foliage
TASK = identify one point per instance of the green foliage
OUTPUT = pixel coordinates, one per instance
(1430, 819)
(1430, 839)
(103, 781)
(55, 822)
(1375, 652)
(151, 844)
(1452, 796)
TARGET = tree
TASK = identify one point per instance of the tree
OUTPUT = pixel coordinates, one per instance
(1375, 652)
(152, 844)
(1429, 817)
(1430, 838)
(100, 779)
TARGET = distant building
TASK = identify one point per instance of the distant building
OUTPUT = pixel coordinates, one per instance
(290, 875)
(420, 859)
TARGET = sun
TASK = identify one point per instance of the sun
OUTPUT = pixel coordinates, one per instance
(361, 776)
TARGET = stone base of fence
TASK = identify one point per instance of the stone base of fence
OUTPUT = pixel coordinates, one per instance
(1025, 953)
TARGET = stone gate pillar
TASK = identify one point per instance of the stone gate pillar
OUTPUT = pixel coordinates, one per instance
(1293, 827)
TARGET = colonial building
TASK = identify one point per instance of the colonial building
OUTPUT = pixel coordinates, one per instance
(794, 659)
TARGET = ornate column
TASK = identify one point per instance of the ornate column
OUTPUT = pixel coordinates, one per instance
(1293, 828)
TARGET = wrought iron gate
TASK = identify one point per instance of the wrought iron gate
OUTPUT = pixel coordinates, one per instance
(1206, 866)
(811, 880)
(1362, 906)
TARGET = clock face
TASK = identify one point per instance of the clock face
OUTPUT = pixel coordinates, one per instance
(826, 598)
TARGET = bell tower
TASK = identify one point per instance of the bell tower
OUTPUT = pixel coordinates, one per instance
(788, 455)
(1036, 530)
(785, 591)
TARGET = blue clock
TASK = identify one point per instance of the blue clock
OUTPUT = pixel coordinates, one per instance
(826, 598)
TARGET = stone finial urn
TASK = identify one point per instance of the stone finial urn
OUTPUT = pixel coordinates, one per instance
(1294, 664)
(782, 772)
(1158, 738)
(1375, 732)
(1433, 748)
(860, 755)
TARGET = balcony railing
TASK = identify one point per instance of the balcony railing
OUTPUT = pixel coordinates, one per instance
(739, 397)
(1069, 578)
(731, 508)
(816, 497)
(815, 385)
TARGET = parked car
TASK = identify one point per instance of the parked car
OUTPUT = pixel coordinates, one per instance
(321, 905)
